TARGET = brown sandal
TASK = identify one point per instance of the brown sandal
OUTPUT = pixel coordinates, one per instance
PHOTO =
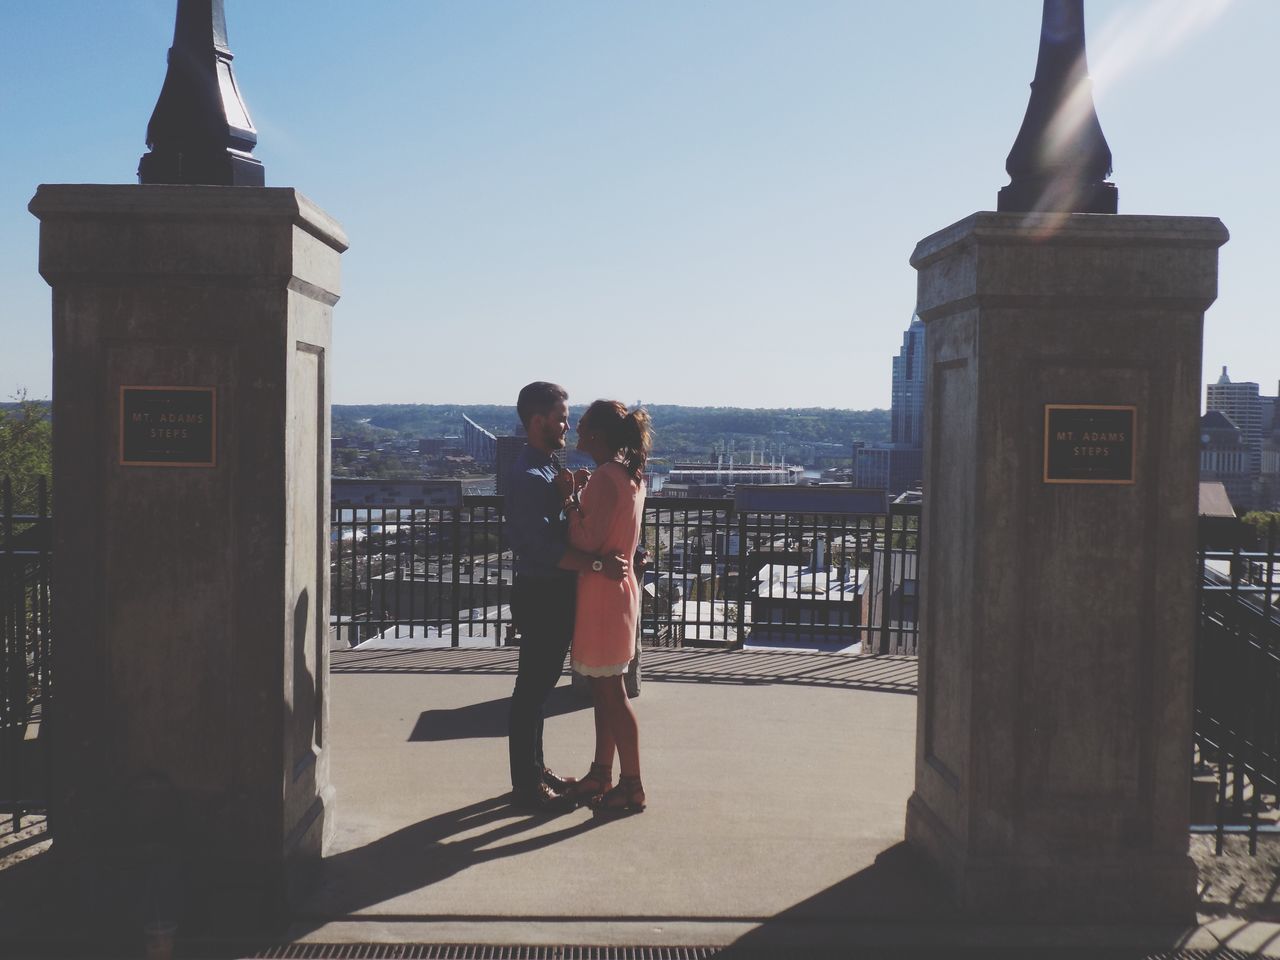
(623, 800)
(591, 787)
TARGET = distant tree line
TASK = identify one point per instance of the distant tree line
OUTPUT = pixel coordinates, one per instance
(678, 431)
(26, 448)
(413, 420)
(1263, 523)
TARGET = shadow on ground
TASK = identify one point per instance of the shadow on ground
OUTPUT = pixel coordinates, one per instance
(881, 674)
(488, 718)
(898, 908)
(895, 909)
(1236, 884)
(24, 889)
(425, 853)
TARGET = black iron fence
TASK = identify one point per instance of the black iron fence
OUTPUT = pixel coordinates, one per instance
(719, 577)
(429, 574)
(1237, 692)
(727, 577)
(25, 630)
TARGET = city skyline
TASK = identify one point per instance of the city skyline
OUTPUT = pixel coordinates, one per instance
(643, 202)
(1240, 441)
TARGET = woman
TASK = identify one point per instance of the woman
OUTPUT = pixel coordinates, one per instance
(604, 517)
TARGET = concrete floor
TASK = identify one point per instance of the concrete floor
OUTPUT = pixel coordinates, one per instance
(771, 779)
(777, 785)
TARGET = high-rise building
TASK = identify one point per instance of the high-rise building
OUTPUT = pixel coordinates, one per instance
(1242, 405)
(1269, 487)
(508, 449)
(1224, 456)
(888, 466)
(907, 410)
(1257, 417)
(899, 464)
(479, 443)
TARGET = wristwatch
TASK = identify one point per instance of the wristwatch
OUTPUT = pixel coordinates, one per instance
(597, 565)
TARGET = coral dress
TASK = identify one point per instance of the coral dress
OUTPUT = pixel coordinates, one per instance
(604, 633)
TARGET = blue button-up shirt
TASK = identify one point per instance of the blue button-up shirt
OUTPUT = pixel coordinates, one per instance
(535, 522)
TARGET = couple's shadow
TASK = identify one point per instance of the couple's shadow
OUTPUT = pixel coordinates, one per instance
(424, 853)
(488, 719)
(427, 852)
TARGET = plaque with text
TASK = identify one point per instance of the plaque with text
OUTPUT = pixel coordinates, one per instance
(168, 426)
(1089, 443)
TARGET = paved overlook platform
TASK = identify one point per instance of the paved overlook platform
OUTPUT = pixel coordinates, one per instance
(769, 777)
(777, 786)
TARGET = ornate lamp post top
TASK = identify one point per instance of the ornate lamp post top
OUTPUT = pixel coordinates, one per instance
(1060, 159)
(200, 131)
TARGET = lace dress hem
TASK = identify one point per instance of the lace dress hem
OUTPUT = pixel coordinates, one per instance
(608, 670)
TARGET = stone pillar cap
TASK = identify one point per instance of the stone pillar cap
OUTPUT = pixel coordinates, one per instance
(1070, 229)
(170, 202)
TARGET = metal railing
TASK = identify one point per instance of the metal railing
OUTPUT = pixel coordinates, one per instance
(723, 577)
(1237, 686)
(430, 574)
(719, 577)
(25, 632)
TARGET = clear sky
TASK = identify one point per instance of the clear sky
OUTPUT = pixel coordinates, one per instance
(708, 202)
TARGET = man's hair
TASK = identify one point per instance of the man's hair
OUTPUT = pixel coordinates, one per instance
(538, 398)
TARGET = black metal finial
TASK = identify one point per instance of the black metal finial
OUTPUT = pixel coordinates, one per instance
(200, 131)
(1060, 160)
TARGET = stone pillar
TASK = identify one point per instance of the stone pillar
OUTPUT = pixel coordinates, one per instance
(191, 332)
(1058, 616)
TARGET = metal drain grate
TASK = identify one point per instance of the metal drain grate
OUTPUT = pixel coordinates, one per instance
(427, 951)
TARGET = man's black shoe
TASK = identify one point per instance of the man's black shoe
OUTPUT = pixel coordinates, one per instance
(540, 798)
(557, 783)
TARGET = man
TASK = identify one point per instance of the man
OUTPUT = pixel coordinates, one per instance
(544, 592)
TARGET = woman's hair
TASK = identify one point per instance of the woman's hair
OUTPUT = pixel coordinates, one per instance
(627, 433)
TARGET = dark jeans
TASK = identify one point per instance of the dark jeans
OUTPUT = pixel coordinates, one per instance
(543, 613)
